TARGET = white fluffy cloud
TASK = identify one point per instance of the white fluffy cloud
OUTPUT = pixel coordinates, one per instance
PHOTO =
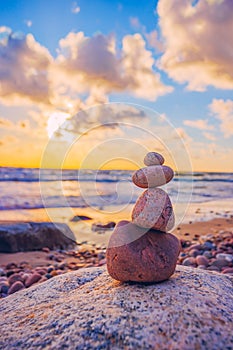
(75, 8)
(198, 42)
(223, 111)
(201, 124)
(137, 64)
(85, 71)
(24, 67)
(95, 64)
(84, 65)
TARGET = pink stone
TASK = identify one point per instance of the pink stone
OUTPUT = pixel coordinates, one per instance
(202, 260)
(15, 277)
(18, 285)
(189, 262)
(153, 158)
(220, 263)
(228, 270)
(150, 258)
(153, 209)
(152, 176)
(41, 271)
(35, 277)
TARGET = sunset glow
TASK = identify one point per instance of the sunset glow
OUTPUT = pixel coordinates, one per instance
(171, 56)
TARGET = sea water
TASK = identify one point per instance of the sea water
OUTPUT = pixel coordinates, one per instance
(53, 195)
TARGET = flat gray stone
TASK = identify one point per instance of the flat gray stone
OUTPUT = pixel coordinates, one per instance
(28, 236)
(87, 309)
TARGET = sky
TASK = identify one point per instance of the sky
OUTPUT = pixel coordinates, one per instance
(80, 81)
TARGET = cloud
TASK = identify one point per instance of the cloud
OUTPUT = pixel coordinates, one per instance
(8, 140)
(137, 63)
(201, 124)
(198, 42)
(23, 68)
(134, 22)
(22, 125)
(75, 8)
(28, 23)
(154, 41)
(94, 63)
(5, 123)
(90, 66)
(84, 73)
(107, 116)
(209, 136)
(223, 111)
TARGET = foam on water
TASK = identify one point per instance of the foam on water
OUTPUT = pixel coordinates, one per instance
(21, 188)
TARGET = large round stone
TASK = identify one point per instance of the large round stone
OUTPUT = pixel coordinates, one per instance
(149, 258)
(152, 176)
(153, 209)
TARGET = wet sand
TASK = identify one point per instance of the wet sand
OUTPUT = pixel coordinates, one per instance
(196, 228)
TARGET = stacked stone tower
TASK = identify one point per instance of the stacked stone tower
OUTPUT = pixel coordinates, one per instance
(142, 250)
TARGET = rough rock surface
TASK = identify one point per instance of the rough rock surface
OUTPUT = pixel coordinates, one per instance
(28, 236)
(150, 258)
(87, 309)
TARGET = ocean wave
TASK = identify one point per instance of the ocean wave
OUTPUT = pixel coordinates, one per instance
(21, 188)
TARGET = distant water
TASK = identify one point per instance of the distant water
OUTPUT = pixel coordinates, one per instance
(21, 188)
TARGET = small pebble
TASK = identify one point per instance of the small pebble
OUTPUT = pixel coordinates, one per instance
(227, 257)
(15, 277)
(153, 158)
(196, 246)
(41, 271)
(220, 263)
(189, 262)
(194, 252)
(35, 277)
(208, 245)
(61, 266)
(11, 266)
(16, 287)
(45, 249)
(228, 270)
(10, 272)
(3, 279)
(213, 268)
(50, 269)
(4, 289)
(208, 254)
(202, 260)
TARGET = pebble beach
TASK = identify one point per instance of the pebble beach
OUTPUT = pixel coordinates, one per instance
(205, 245)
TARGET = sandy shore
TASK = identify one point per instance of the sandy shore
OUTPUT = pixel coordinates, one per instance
(196, 228)
(191, 232)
